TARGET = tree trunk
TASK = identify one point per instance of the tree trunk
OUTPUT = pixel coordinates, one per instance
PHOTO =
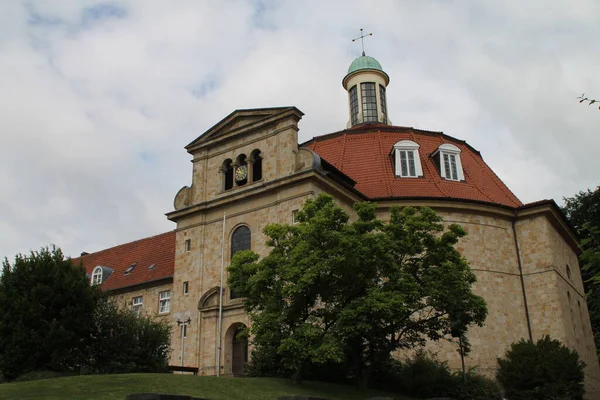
(298, 374)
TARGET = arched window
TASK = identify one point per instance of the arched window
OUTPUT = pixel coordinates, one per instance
(568, 271)
(97, 276)
(241, 170)
(240, 239)
(256, 160)
(227, 170)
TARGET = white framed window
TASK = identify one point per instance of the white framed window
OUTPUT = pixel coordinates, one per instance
(294, 219)
(186, 287)
(164, 302)
(188, 245)
(406, 159)
(448, 160)
(97, 276)
(136, 304)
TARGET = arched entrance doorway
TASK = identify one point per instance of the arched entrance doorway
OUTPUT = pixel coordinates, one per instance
(239, 350)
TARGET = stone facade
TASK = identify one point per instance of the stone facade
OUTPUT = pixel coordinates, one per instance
(525, 259)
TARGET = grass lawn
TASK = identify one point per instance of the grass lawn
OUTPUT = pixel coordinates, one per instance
(113, 387)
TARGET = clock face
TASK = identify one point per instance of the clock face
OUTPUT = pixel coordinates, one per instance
(241, 173)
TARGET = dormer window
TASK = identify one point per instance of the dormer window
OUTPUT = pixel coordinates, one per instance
(407, 160)
(447, 158)
(97, 276)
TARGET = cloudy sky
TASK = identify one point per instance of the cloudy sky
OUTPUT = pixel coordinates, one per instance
(98, 99)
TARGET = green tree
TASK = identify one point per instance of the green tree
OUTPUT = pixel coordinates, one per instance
(123, 342)
(583, 211)
(332, 290)
(540, 371)
(46, 313)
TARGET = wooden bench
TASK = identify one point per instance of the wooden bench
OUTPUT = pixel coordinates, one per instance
(179, 368)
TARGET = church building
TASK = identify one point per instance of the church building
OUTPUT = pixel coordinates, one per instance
(249, 170)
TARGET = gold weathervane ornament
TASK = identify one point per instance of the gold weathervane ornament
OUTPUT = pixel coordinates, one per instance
(362, 39)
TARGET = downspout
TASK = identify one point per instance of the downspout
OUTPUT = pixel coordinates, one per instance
(514, 229)
(220, 322)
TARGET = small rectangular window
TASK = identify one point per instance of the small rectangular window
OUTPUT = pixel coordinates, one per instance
(294, 220)
(188, 245)
(186, 287)
(233, 294)
(407, 163)
(450, 169)
(137, 304)
(164, 302)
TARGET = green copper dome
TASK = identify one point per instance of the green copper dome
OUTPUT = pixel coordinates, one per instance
(364, 62)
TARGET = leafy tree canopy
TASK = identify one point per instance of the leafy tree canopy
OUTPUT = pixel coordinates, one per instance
(332, 290)
(46, 311)
(542, 370)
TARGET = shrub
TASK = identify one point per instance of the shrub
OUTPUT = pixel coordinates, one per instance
(476, 387)
(123, 342)
(422, 376)
(542, 370)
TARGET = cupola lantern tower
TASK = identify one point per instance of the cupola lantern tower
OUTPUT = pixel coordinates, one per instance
(366, 84)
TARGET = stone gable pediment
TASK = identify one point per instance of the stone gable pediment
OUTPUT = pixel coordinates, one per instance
(242, 121)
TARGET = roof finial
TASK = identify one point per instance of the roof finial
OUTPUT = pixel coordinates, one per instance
(362, 39)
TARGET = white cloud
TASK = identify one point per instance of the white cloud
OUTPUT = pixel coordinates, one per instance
(98, 99)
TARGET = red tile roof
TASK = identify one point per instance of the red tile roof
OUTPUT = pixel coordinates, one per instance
(363, 153)
(158, 250)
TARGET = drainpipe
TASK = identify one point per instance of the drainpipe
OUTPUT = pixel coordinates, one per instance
(220, 322)
(514, 229)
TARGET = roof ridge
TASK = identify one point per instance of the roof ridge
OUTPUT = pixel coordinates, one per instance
(385, 164)
(435, 182)
(125, 244)
(341, 168)
(500, 183)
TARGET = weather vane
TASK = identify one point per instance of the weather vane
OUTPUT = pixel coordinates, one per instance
(362, 39)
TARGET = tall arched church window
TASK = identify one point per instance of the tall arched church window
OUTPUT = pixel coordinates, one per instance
(256, 161)
(227, 170)
(447, 159)
(406, 159)
(354, 105)
(240, 239)
(241, 170)
(369, 101)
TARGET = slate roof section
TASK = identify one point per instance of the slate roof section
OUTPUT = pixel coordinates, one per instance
(364, 153)
(158, 250)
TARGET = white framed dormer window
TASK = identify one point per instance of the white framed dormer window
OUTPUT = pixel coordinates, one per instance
(97, 276)
(406, 159)
(447, 158)
(136, 305)
(164, 302)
